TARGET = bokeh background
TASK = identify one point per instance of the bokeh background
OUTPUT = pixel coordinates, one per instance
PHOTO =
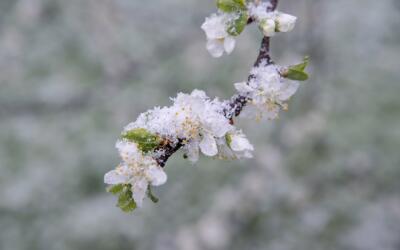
(324, 176)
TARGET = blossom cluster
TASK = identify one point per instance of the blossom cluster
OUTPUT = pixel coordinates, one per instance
(231, 19)
(198, 124)
(194, 120)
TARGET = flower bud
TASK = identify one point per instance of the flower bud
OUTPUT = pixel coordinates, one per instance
(268, 27)
(285, 22)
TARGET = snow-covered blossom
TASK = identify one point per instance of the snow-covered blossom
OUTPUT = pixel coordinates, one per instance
(194, 120)
(285, 22)
(218, 39)
(267, 90)
(137, 170)
(268, 27)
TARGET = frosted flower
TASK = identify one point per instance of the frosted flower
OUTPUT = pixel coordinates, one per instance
(268, 92)
(285, 22)
(202, 121)
(218, 39)
(139, 174)
(268, 27)
(136, 169)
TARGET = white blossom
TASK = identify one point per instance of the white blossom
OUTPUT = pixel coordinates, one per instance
(285, 22)
(136, 169)
(218, 39)
(271, 21)
(268, 92)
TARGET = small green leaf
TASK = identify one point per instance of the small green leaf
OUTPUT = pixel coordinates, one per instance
(124, 198)
(231, 5)
(145, 140)
(129, 207)
(237, 25)
(228, 139)
(150, 194)
(296, 75)
(301, 66)
(115, 189)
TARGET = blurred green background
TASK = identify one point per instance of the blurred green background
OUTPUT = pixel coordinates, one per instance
(324, 176)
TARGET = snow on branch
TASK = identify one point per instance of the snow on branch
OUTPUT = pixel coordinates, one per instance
(194, 122)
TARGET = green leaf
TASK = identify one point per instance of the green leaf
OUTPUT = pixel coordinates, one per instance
(125, 199)
(228, 139)
(231, 5)
(296, 72)
(145, 140)
(115, 189)
(236, 26)
(150, 194)
(296, 75)
(301, 66)
(129, 207)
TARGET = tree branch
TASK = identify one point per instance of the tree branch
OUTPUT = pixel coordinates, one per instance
(237, 102)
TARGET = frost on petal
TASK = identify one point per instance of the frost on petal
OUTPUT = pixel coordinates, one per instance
(268, 27)
(285, 22)
(215, 47)
(215, 27)
(198, 93)
(156, 175)
(115, 177)
(288, 89)
(229, 44)
(240, 143)
(217, 124)
(243, 87)
(208, 145)
(139, 188)
(128, 150)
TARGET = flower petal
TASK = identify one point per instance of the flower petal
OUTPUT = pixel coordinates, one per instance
(156, 175)
(128, 150)
(208, 145)
(229, 44)
(215, 47)
(288, 89)
(139, 189)
(240, 143)
(285, 22)
(114, 177)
